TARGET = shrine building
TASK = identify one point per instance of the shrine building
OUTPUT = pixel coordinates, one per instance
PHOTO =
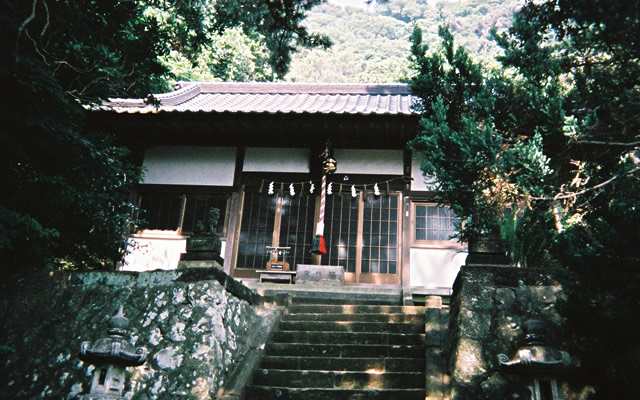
(253, 150)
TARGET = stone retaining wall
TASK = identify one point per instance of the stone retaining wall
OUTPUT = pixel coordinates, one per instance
(196, 325)
(487, 312)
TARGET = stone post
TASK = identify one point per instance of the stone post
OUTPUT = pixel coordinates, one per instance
(435, 369)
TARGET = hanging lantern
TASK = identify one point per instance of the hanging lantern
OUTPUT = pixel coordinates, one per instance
(292, 190)
(312, 187)
(270, 190)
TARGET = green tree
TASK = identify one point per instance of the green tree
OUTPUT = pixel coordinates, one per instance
(469, 145)
(277, 22)
(65, 190)
(230, 56)
(371, 43)
(554, 134)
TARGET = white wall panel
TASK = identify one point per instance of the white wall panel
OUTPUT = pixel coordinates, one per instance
(435, 268)
(149, 253)
(183, 165)
(378, 162)
(419, 182)
(268, 159)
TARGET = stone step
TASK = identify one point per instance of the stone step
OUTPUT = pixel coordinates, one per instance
(346, 337)
(338, 379)
(389, 318)
(347, 299)
(344, 350)
(349, 326)
(362, 346)
(385, 364)
(282, 393)
(355, 309)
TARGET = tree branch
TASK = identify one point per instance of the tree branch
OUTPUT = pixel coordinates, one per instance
(561, 196)
(629, 144)
(46, 25)
(25, 23)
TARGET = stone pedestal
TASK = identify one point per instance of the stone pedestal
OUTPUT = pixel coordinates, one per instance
(488, 250)
(185, 263)
(202, 248)
(325, 275)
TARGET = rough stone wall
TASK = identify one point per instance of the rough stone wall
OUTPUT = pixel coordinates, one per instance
(488, 309)
(195, 325)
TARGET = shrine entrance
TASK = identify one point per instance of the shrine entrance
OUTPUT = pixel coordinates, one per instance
(361, 233)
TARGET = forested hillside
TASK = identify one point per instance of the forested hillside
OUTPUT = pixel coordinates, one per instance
(371, 43)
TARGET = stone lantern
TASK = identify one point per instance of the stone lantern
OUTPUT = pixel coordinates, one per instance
(111, 355)
(538, 364)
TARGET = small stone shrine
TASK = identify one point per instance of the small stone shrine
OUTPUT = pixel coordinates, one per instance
(111, 355)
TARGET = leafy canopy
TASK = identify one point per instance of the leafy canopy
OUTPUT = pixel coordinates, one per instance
(66, 191)
(554, 134)
(480, 165)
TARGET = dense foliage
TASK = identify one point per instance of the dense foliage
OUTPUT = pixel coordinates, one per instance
(553, 134)
(371, 42)
(65, 191)
(237, 40)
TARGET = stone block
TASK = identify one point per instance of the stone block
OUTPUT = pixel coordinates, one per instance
(468, 361)
(432, 327)
(331, 275)
(505, 298)
(209, 263)
(474, 324)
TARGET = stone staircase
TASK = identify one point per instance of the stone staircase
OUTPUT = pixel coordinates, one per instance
(344, 351)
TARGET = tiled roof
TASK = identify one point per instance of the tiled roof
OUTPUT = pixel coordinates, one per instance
(273, 98)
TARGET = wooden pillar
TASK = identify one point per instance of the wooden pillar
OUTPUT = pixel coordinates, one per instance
(235, 215)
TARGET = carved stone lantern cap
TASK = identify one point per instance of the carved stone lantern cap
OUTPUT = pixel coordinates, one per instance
(116, 348)
(535, 356)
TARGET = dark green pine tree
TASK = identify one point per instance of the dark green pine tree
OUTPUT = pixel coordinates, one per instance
(555, 135)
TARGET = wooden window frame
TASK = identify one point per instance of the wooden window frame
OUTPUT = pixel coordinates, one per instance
(430, 244)
(360, 234)
(185, 194)
(278, 229)
(398, 235)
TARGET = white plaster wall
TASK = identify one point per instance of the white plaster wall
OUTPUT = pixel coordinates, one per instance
(156, 250)
(267, 159)
(151, 251)
(147, 252)
(419, 182)
(435, 268)
(379, 162)
(184, 165)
